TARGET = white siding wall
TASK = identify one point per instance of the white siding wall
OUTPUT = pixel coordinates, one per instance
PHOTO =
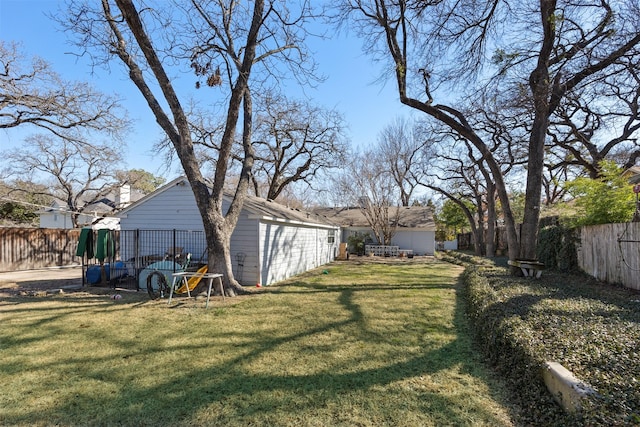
(422, 242)
(451, 245)
(273, 251)
(174, 208)
(58, 219)
(327, 251)
(244, 240)
(288, 250)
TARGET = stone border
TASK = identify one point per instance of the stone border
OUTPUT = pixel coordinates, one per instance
(568, 390)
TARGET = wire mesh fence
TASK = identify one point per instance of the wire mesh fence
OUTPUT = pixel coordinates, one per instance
(138, 253)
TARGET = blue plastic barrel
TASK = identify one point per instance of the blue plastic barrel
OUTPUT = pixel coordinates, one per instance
(94, 274)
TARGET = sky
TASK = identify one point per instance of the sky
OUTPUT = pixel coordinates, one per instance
(352, 86)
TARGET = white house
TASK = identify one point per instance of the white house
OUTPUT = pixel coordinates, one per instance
(275, 242)
(58, 214)
(415, 230)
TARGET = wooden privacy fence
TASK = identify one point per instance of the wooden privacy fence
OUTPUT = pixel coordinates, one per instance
(31, 248)
(465, 240)
(611, 253)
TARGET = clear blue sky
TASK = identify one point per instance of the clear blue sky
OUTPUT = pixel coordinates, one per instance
(350, 88)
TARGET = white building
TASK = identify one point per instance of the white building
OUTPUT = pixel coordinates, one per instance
(415, 229)
(58, 214)
(276, 242)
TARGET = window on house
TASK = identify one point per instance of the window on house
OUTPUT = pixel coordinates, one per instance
(331, 237)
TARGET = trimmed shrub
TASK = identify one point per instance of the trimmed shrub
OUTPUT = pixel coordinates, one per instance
(591, 328)
(557, 248)
(511, 348)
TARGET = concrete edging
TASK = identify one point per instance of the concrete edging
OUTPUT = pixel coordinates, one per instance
(568, 390)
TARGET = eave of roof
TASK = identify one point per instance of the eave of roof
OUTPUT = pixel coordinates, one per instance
(258, 208)
(411, 217)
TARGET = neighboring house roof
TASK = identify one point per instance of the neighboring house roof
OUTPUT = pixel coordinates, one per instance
(108, 223)
(262, 208)
(414, 217)
(105, 205)
(633, 174)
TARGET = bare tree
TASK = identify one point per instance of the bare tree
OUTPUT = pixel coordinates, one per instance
(403, 31)
(455, 174)
(600, 122)
(460, 172)
(31, 93)
(366, 184)
(295, 141)
(576, 46)
(226, 44)
(80, 174)
(405, 149)
(436, 43)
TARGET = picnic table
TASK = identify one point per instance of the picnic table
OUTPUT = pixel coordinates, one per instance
(530, 268)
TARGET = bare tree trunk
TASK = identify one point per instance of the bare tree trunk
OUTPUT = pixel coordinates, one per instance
(491, 220)
(529, 230)
(479, 234)
(540, 84)
(220, 261)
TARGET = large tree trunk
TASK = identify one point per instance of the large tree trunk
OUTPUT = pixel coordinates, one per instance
(529, 231)
(479, 234)
(491, 220)
(477, 240)
(219, 260)
(540, 84)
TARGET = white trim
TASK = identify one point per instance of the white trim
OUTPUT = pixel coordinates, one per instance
(293, 222)
(259, 245)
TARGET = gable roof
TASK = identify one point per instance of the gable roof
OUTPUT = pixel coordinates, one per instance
(632, 174)
(156, 193)
(104, 205)
(410, 217)
(268, 208)
(256, 206)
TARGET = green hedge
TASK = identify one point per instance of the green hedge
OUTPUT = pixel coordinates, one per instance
(591, 328)
(557, 248)
(510, 347)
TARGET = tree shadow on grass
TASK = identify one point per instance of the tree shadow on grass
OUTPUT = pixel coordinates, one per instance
(230, 391)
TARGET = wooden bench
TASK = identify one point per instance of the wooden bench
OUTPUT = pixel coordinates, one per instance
(530, 268)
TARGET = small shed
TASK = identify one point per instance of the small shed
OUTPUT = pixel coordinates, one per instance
(270, 243)
(415, 229)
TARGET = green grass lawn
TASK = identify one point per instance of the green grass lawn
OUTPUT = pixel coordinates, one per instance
(348, 344)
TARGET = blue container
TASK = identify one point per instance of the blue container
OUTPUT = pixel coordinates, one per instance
(94, 274)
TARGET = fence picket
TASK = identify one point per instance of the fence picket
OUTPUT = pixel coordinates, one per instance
(32, 248)
(611, 253)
